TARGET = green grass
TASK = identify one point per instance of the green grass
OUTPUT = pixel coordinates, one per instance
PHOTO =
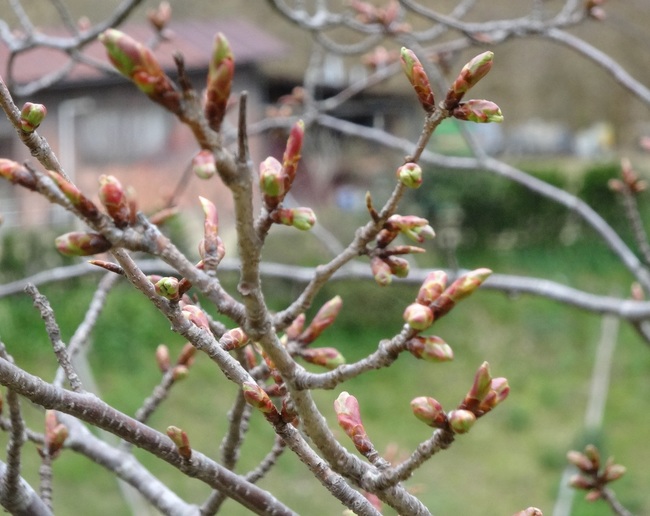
(512, 459)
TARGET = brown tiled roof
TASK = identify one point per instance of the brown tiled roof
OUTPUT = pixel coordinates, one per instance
(193, 38)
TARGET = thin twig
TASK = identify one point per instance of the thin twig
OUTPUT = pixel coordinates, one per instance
(54, 333)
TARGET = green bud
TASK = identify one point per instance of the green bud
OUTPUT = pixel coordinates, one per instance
(461, 421)
(31, 116)
(410, 175)
(168, 287)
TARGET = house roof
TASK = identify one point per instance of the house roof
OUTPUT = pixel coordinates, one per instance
(192, 38)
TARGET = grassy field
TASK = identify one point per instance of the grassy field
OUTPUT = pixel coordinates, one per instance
(512, 459)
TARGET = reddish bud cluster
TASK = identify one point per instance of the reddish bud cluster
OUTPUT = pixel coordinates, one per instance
(276, 178)
(591, 477)
(137, 62)
(629, 182)
(486, 392)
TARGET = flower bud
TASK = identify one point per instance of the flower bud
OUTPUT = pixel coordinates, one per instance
(31, 116)
(381, 271)
(84, 205)
(300, 218)
(79, 243)
(416, 228)
(162, 358)
(348, 415)
(613, 472)
(204, 165)
(429, 410)
(186, 356)
(233, 339)
(580, 482)
(330, 358)
(291, 155)
(296, 327)
(593, 455)
(434, 284)
(418, 317)
(17, 174)
(55, 433)
(168, 287)
(137, 62)
(478, 111)
(257, 397)
(431, 348)
(221, 71)
(399, 267)
(410, 175)
(323, 319)
(160, 16)
(180, 372)
(461, 421)
(272, 183)
(471, 73)
(418, 78)
(196, 316)
(181, 440)
(114, 199)
(482, 384)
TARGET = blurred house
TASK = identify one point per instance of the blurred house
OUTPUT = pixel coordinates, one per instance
(99, 123)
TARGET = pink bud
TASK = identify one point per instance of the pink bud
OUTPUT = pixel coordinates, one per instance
(418, 78)
(85, 206)
(114, 199)
(257, 397)
(162, 358)
(330, 358)
(204, 164)
(431, 348)
(295, 329)
(478, 111)
(348, 414)
(17, 174)
(186, 356)
(233, 339)
(292, 153)
(418, 317)
(430, 411)
(322, 320)
(381, 271)
(399, 267)
(472, 72)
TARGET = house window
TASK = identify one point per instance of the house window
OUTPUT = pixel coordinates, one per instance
(122, 136)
